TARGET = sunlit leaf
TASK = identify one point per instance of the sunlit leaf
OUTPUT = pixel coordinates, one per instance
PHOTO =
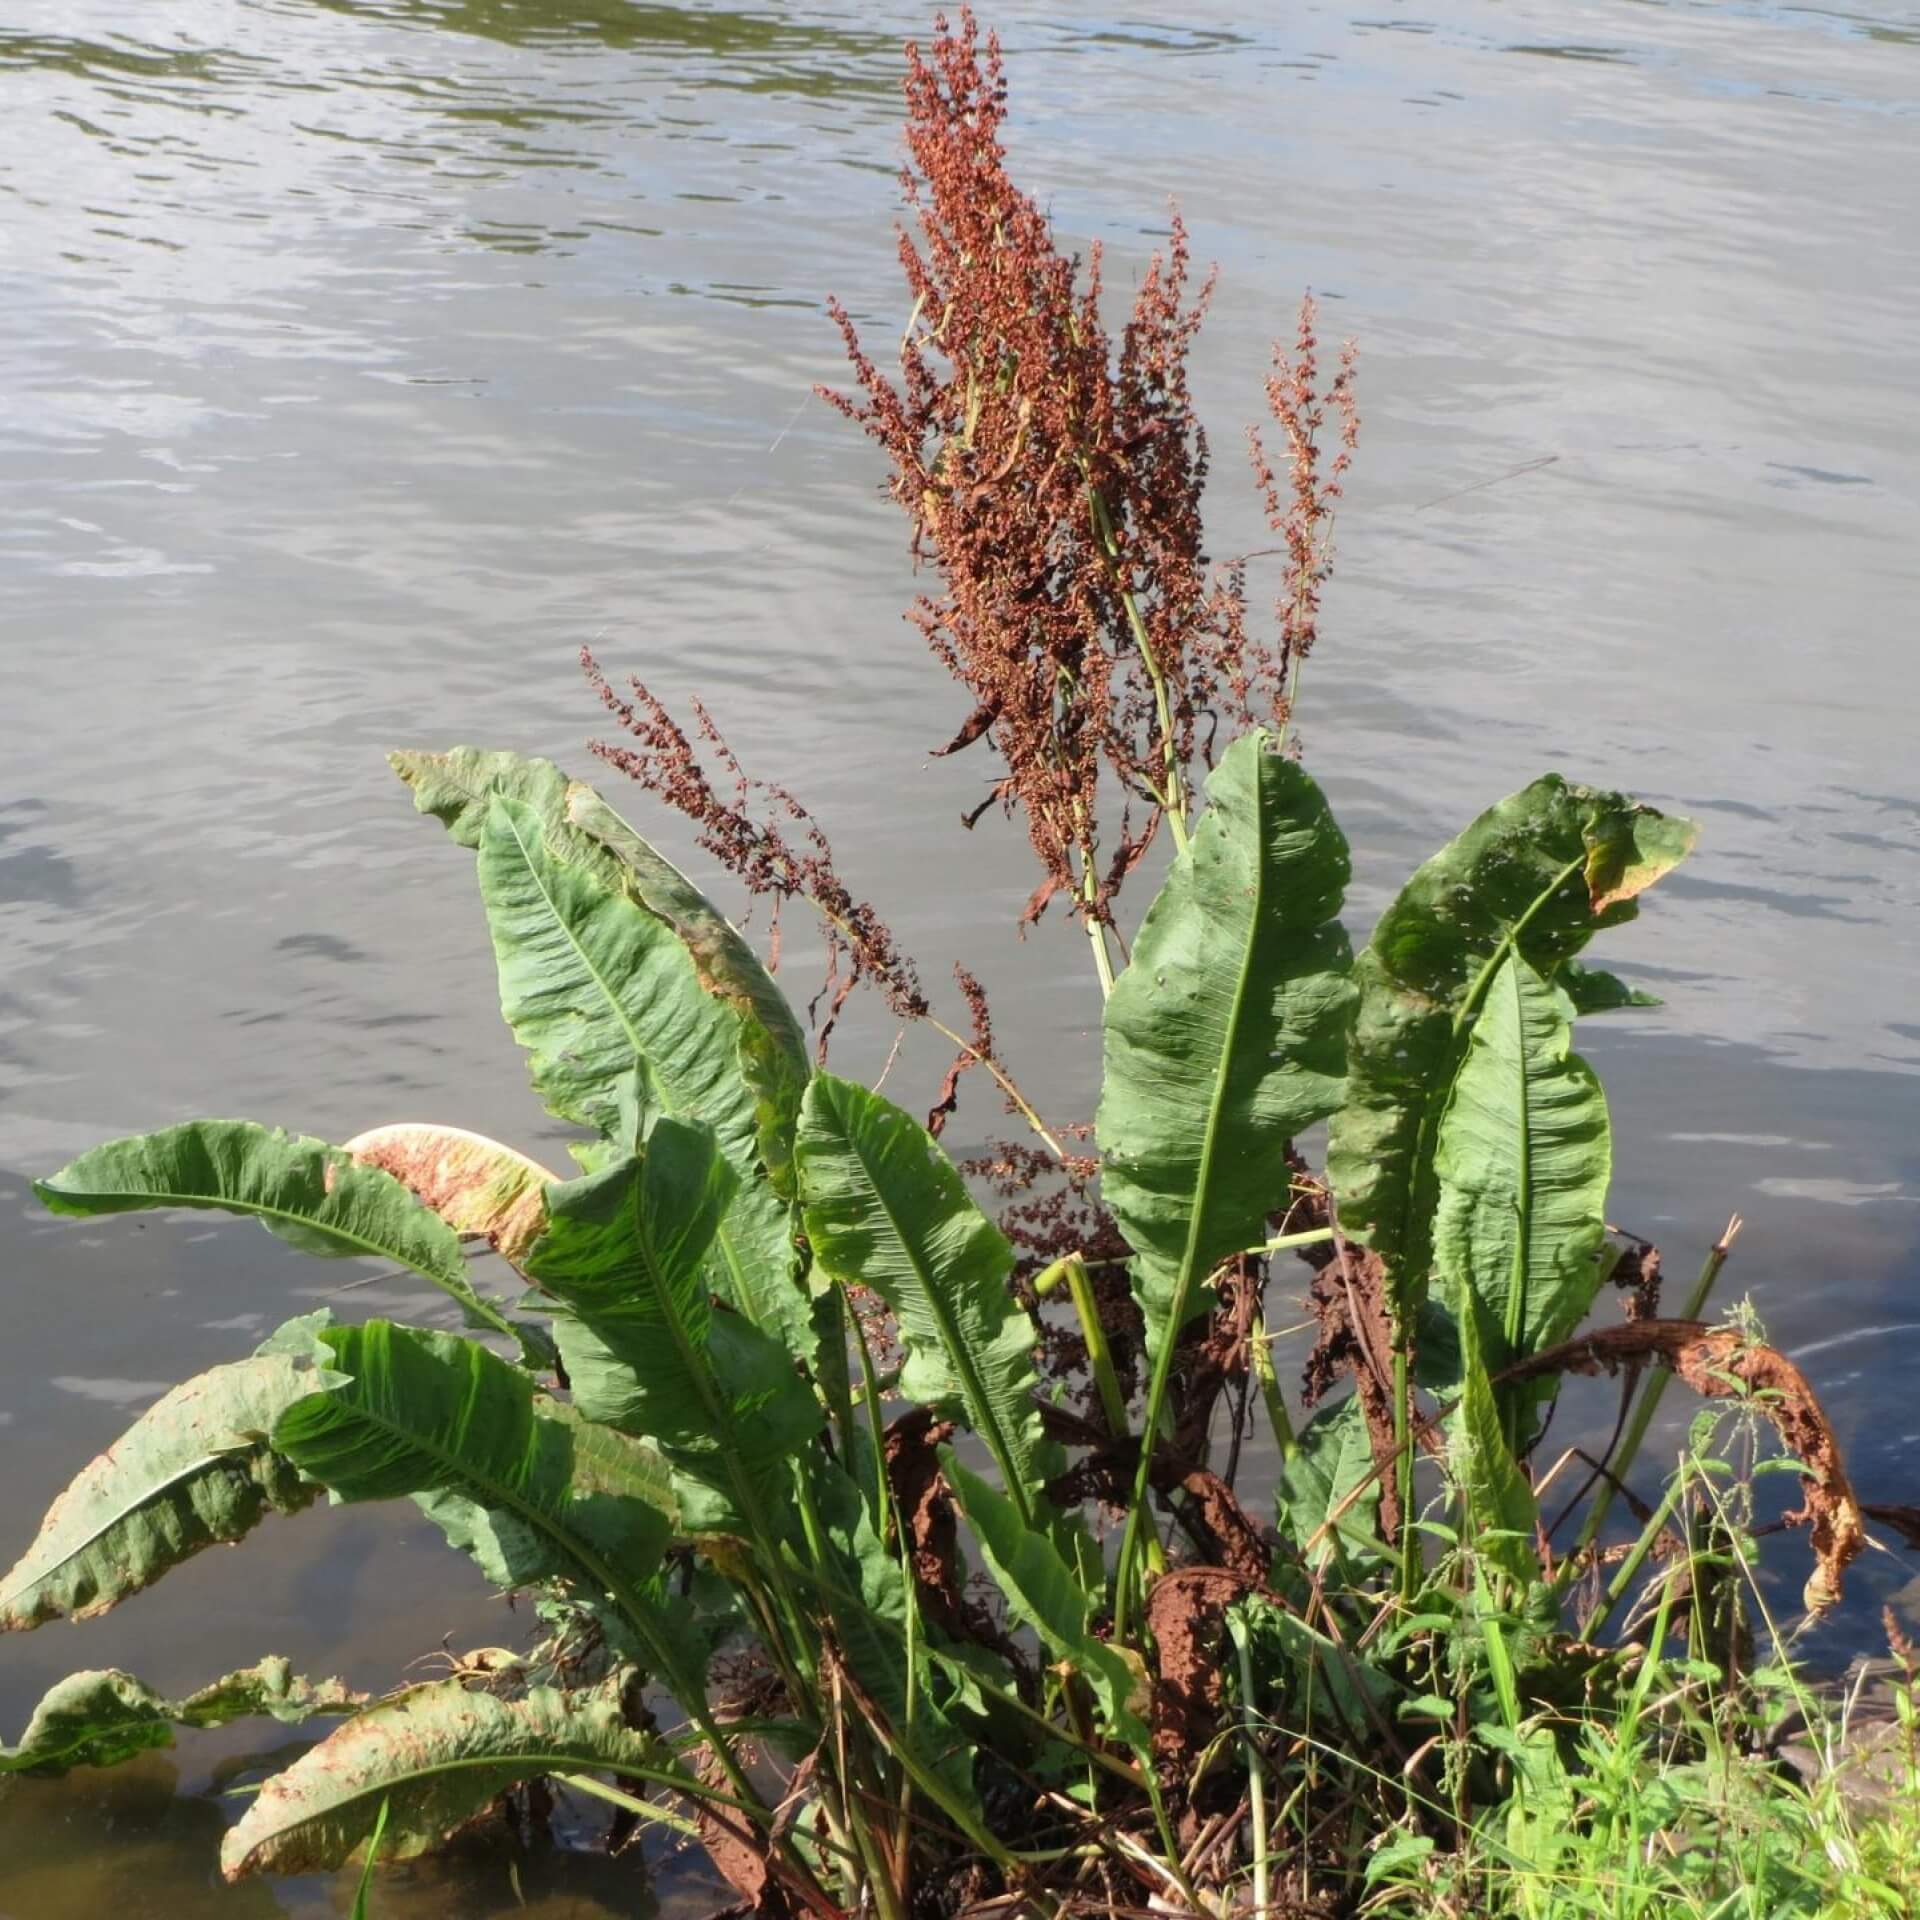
(311, 1195)
(1522, 1159)
(885, 1209)
(1538, 873)
(1225, 1036)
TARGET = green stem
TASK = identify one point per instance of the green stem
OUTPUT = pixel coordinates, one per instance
(1629, 1567)
(1176, 809)
(1311, 1237)
(1113, 1403)
(1509, 943)
(1411, 1564)
(1256, 1768)
(1269, 1382)
(1102, 959)
(1073, 1270)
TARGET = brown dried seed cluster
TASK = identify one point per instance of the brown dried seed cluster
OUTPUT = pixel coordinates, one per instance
(1053, 478)
(757, 847)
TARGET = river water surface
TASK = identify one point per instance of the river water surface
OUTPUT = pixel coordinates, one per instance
(361, 359)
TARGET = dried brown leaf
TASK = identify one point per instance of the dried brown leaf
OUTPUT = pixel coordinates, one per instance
(1717, 1362)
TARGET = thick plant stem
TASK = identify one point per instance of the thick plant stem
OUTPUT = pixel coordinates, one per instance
(1138, 1513)
(1113, 1403)
(1648, 1404)
(1284, 1437)
(1102, 960)
(1073, 1270)
(1256, 1768)
(1090, 898)
(1411, 1566)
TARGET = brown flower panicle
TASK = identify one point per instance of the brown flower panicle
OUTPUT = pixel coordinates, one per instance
(757, 848)
(1054, 481)
(1299, 509)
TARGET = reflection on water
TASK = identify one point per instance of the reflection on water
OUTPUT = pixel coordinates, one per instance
(362, 360)
(140, 1843)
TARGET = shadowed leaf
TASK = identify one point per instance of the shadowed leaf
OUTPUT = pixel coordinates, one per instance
(433, 1757)
(1499, 1502)
(101, 1718)
(194, 1471)
(1044, 1593)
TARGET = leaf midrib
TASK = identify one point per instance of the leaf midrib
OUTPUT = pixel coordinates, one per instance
(165, 1197)
(1416, 1203)
(153, 1492)
(542, 1759)
(541, 1519)
(972, 1385)
(677, 1107)
(1209, 1137)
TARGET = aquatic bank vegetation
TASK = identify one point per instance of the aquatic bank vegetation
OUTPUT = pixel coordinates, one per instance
(914, 1561)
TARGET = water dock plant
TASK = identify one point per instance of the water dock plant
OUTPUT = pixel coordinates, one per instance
(904, 1557)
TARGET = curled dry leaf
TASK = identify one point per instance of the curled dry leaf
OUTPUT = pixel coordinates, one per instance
(1717, 1362)
(925, 1505)
(1232, 1536)
(1186, 1614)
(1348, 1300)
(478, 1187)
(738, 1850)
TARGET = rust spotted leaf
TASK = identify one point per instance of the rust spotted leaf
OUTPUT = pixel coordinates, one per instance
(480, 1188)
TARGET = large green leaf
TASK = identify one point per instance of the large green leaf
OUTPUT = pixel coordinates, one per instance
(595, 986)
(102, 1717)
(885, 1209)
(1043, 1592)
(1522, 1158)
(625, 1258)
(773, 1049)
(310, 1194)
(458, 788)
(194, 1471)
(1539, 872)
(491, 1461)
(434, 1756)
(1225, 1035)
(1332, 1466)
(1499, 1502)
